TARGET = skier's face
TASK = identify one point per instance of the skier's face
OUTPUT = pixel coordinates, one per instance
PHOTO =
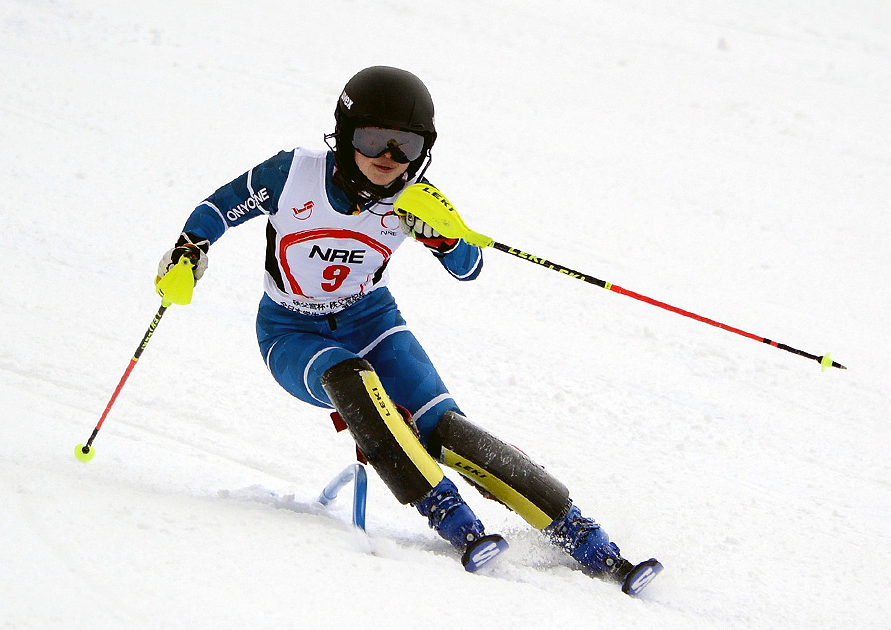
(382, 170)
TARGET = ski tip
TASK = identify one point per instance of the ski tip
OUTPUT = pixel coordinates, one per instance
(480, 552)
(84, 453)
(640, 576)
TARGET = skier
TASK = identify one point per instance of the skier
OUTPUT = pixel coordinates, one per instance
(331, 334)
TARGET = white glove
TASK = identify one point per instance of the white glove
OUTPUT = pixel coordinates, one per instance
(191, 246)
(420, 231)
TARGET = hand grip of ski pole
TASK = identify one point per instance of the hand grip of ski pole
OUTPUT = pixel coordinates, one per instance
(431, 206)
(177, 285)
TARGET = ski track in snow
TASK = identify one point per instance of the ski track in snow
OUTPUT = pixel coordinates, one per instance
(732, 160)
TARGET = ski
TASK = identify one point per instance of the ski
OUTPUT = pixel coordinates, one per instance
(480, 552)
(640, 576)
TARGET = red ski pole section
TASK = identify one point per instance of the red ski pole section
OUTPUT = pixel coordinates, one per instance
(680, 311)
(117, 391)
(136, 355)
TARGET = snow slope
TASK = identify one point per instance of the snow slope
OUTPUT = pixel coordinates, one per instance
(733, 159)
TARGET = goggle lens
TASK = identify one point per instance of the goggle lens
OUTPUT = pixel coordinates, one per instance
(404, 146)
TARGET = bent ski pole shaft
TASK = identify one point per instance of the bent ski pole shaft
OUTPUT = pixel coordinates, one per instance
(427, 203)
(825, 361)
(84, 451)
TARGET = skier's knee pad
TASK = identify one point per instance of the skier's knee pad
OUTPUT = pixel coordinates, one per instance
(499, 468)
(390, 446)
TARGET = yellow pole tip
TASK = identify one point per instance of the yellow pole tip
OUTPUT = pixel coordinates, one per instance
(826, 362)
(84, 453)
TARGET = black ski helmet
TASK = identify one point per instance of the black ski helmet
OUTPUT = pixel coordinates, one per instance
(380, 96)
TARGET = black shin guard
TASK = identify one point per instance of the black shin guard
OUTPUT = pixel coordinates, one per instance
(501, 469)
(379, 430)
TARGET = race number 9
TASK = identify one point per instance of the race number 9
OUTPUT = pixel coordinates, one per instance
(336, 274)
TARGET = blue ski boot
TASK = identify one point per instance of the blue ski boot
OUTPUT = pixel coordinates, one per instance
(453, 519)
(586, 541)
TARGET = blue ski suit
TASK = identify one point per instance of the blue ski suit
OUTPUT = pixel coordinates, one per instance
(326, 298)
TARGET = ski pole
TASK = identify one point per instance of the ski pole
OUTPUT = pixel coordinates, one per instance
(175, 288)
(431, 206)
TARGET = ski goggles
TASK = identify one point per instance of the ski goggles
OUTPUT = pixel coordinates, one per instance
(404, 146)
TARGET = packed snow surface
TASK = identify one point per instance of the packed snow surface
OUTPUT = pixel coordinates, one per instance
(729, 158)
